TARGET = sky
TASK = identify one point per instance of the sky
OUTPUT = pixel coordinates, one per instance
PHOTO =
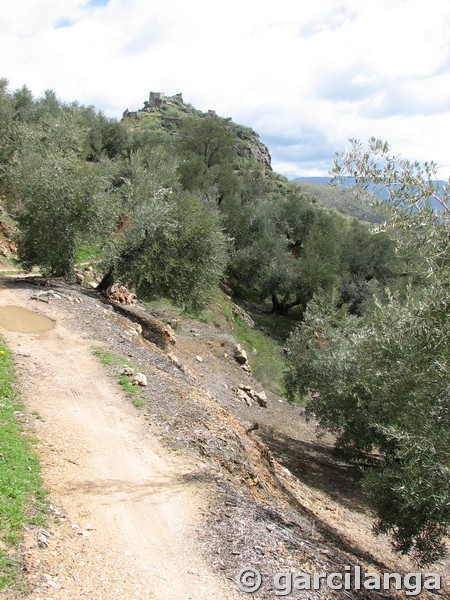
(305, 75)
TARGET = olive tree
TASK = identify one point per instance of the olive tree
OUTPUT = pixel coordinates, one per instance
(173, 245)
(286, 251)
(380, 382)
(207, 148)
(61, 200)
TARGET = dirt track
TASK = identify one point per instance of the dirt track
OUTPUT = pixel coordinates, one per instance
(127, 514)
(134, 518)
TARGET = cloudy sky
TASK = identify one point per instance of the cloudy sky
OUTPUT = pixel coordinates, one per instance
(306, 75)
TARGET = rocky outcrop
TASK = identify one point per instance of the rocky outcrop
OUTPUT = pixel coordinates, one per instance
(139, 379)
(238, 311)
(8, 248)
(120, 293)
(87, 278)
(248, 395)
(251, 146)
(240, 355)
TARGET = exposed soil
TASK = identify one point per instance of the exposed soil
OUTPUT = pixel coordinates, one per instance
(173, 499)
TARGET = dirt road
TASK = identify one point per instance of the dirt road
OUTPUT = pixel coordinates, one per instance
(126, 506)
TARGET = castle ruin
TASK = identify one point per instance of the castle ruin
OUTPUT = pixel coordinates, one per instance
(157, 98)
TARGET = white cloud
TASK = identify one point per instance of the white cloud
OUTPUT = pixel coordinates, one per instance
(306, 76)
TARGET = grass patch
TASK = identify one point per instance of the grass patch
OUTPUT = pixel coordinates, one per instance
(9, 265)
(265, 356)
(115, 362)
(277, 327)
(163, 305)
(171, 311)
(107, 357)
(263, 343)
(88, 254)
(22, 496)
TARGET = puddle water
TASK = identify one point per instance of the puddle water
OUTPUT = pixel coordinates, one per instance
(22, 320)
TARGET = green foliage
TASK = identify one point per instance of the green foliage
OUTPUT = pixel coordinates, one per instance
(182, 258)
(21, 492)
(207, 148)
(320, 256)
(261, 257)
(368, 261)
(59, 199)
(291, 249)
(209, 138)
(7, 113)
(140, 139)
(254, 183)
(174, 246)
(63, 203)
(418, 204)
(105, 137)
(381, 382)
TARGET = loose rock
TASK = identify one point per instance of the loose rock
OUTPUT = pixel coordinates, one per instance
(261, 398)
(248, 395)
(139, 379)
(128, 371)
(240, 355)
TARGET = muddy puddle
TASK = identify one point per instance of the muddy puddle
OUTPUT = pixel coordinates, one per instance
(22, 320)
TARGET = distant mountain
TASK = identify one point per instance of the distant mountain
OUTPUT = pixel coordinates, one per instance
(379, 193)
(323, 180)
(340, 198)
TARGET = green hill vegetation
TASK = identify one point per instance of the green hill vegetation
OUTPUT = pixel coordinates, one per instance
(173, 202)
(344, 201)
(162, 116)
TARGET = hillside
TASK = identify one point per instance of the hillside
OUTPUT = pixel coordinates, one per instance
(269, 491)
(163, 114)
(341, 199)
(230, 289)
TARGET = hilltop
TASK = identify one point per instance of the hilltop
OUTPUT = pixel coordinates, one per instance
(163, 114)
